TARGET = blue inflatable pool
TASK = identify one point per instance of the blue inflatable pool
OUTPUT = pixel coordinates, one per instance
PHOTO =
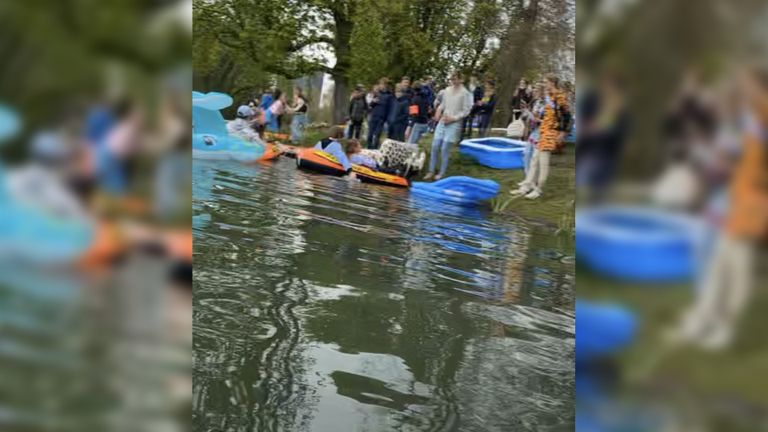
(638, 244)
(602, 329)
(458, 190)
(495, 152)
(210, 139)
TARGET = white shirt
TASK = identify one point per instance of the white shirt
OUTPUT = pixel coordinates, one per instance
(456, 102)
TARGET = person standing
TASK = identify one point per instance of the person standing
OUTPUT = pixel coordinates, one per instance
(553, 129)
(276, 109)
(418, 112)
(398, 117)
(380, 107)
(299, 111)
(358, 109)
(267, 99)
(477, 96)
(455, 106)
(485, 107)
(522, 94)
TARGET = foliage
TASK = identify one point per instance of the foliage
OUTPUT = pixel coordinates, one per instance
(241, 44)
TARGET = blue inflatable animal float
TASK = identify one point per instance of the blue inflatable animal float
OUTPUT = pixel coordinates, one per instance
(210, 139)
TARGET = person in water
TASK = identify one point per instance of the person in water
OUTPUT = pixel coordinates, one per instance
(354, 152)
(332, 146)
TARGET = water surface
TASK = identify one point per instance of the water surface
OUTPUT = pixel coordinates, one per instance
(325, 305)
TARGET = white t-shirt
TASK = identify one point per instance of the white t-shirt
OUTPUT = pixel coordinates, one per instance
(457, 102)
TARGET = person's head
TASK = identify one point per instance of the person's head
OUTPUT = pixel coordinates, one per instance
(551, 83)
(352, 146)
(277, 94)
(455, 79)
(490, 86)
(253, 104)
(537, 92)
(244, 112)
(406, 81)
(523, 84)
(336, 132)
(399, 90)
(298, 92)
(383, 84)
(359, 89)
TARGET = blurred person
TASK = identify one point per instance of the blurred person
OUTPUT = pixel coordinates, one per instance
(455, 106)
(726, 287)
(121, 140)
(552, 132)
(405, 83)
(522, 93)
(354, 152)
(267, 98)
(299, 111)
(418, 111)
(357, 112)
(486, 107)
(398, 116)
(603, 130)
(332, 146)
(477, 96)
(276, 109)
(535, 114)
(243, 125)
(380, 107)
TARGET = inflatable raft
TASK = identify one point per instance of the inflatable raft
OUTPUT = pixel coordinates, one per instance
(458, 190)
(602, 329)
(210, 139)
(495, 152)
(322, 162)
(638, 244)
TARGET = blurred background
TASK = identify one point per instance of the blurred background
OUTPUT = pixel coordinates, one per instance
(95, 205)
(672, 186)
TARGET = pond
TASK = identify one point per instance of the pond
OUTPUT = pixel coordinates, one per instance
(327, 305)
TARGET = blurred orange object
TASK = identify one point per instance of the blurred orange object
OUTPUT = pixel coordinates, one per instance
(178, 244)
(107, 245)
(748, 215)
(270, 153)
(276, 136)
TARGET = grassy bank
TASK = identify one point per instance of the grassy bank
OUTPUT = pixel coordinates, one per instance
(716, 381)
(554, 208)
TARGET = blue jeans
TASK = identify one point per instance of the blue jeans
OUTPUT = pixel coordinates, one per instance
(484, 122)
(527, 155)
(336, 151)
(417, 130)
(375, 126)
(445, 137)
(297, 126)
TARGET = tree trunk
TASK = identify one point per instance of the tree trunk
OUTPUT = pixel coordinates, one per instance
(340, 95)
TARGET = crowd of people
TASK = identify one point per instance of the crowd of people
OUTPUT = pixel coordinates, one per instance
(540, 114)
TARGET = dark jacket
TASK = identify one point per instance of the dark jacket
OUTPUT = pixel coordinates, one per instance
(421, 101)
(358, 108)
(488, 107)
(477, 95)
(519, 97)
(399, 113)
(380, 110)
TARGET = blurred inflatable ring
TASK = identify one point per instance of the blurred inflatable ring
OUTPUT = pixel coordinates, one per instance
(638, 244)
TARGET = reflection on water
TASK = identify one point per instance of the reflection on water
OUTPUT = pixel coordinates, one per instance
(324, 305)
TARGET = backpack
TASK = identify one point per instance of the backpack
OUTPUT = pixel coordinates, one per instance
(516, 129)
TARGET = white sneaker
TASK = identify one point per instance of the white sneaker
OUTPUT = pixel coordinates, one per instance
(428, 176)
(534, 194)
(522, 190)
(717, 339)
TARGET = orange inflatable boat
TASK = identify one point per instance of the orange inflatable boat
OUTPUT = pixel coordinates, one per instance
(322, 162)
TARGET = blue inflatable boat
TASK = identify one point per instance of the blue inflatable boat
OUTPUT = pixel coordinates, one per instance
(602, 329)
(495, 152)
(458, 190)
(210, 139)
(638, 244)
(31, 236)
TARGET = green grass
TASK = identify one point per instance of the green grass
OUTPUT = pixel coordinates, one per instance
(733, 374)
(554, 208)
